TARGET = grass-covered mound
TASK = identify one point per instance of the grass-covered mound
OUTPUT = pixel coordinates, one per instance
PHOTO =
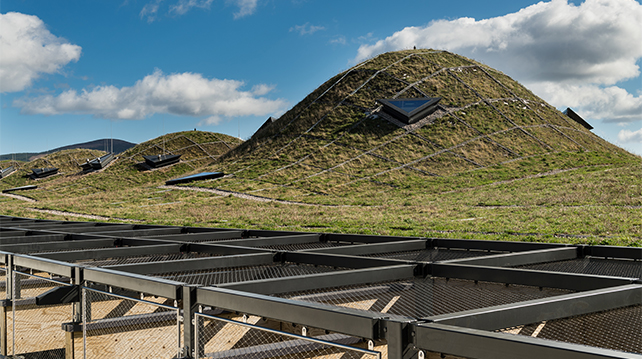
(338, 146)
(197, 148)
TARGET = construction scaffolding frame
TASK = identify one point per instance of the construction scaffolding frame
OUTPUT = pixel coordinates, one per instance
(290, 293)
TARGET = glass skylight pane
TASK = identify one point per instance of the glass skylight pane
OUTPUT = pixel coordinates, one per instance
(409, 105)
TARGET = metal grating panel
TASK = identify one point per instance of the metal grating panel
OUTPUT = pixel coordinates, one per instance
(244, 274)
(593, 265)
(418, 298)
(434, 254)
(617, 329)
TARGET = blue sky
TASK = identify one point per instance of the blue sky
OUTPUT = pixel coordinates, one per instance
(75, 71)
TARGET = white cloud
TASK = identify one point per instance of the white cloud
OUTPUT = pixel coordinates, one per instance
(150, 11)
(28, 50)
(246, 7)
(551, 46)
(627, 136)
(210, 121)
(185, 94)
(184, 6)
(341, 40)
(306, 29)
(608, 103)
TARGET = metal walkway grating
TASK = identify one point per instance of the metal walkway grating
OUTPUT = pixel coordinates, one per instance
(592, 265)
(244, 274)
(617, 329)
(419, 298)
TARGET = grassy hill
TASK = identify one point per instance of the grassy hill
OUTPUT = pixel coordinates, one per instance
(338, 145)
(494, 161)
(101, 144)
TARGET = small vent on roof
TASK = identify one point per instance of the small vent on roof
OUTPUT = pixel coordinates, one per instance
(570, 113)
(410, 110)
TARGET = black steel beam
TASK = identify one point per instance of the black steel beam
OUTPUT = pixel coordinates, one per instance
(196, 264)
(223, 249)
(101, 253)
(324, 280)
(44, 265)
(613, 252)
(342, 261)
(536, 278)
(343, 320)
(60, 245)
(533, 311)
(99, 227)
(375, 248)
(13, 232)
(266, 233)
(276, 240)
(363, 238)
(499, 246)
(521, 258)
(55, 226)
(136, 232)
(135, 282)
(200, 236)
(32, 239)
(479, 344)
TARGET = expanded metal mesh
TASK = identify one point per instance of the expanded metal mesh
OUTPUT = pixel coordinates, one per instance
(617, 329)
(3, 277)
(418, 298)
(593, 265)
(434, 254)
(225, 338)
(34, 331)
(116, 326)
(244, 274)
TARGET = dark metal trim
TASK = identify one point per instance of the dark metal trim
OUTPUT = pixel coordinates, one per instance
(363, 238)
(480, 344)
(135, 282)
(521, 258)
(196, 264)
(272, 241)
(569, 281)
(613, 252)
(343, 261)
(500, 246)
(45, 265)
(60, 245)
(342, 320)
(324, 280)
(366, 249)
(101, 253)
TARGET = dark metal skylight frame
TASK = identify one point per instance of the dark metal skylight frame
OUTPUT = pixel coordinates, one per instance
(577, 118)
(43, 172)
(158, 161)
(97, 163)
(391, 106)
(195, 177)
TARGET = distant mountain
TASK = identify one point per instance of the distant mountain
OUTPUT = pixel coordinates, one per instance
(102, 144)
